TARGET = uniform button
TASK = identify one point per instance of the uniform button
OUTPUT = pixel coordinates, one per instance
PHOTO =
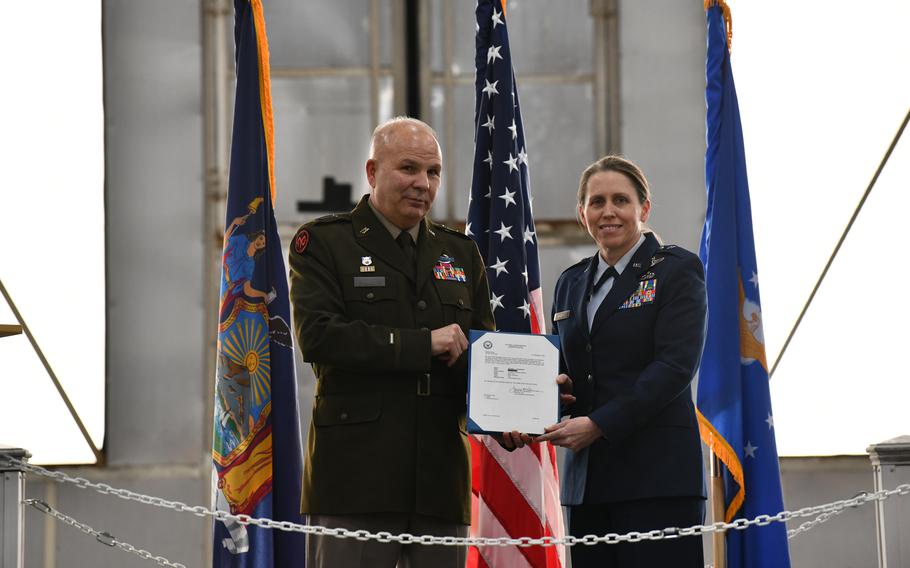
(370, 295)
(590, 379)
(343, 416)
(460, 302)
(588, 347)
(421, 305)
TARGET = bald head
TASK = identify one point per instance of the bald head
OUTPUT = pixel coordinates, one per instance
(404, 170)
(388, 132)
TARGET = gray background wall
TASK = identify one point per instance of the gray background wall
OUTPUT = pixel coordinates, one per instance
(158, 433)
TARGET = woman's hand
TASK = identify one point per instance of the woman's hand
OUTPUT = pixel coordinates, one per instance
(574, 433)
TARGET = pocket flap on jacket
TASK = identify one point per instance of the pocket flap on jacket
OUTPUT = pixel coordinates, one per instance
(368, 288)
(455, 294)
(333, 410)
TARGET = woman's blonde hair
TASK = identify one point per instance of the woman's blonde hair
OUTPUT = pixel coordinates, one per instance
(615, 163)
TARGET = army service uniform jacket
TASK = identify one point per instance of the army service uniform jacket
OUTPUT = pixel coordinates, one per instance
(388, 425)
(631, 373)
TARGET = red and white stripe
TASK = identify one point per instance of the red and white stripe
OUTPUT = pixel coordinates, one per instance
(515, 494)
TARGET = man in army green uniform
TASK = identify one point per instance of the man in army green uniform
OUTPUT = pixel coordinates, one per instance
(383, 299)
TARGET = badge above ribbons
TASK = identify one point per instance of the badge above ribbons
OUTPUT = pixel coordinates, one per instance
(445, 271)
(647, 290)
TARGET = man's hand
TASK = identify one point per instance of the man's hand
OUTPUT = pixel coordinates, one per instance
(565, 390)
(448, 343)
(514, 439)
(574, 433)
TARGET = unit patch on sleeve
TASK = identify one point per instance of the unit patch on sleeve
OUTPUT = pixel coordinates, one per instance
(301, 240)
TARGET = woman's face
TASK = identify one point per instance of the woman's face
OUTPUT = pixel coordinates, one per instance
(612, 213)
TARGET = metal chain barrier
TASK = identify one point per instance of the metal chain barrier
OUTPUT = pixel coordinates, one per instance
(821, 512)
(105, 538)
(824, 517)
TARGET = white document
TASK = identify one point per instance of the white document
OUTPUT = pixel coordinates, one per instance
(512, 382)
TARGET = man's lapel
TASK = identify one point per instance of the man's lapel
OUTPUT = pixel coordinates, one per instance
(373, 236)
(429, 249)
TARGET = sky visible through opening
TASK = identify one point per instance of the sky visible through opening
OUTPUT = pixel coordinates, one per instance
(823, 88)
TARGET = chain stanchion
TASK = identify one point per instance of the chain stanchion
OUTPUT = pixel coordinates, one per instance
(821, 512)
(104, 538)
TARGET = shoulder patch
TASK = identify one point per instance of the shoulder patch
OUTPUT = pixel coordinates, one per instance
(449, 230)
(301, 240)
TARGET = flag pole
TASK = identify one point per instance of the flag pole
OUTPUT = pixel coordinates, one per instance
(717, 509)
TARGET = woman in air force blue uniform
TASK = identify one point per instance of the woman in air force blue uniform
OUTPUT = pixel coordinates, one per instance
(631, 322)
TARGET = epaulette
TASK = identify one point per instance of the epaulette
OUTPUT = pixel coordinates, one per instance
(302, 237)
(672, 249)
(449, 230)
(585, 260)
(330, 218)
(668, 250)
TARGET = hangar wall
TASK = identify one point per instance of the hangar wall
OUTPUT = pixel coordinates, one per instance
(157, 428)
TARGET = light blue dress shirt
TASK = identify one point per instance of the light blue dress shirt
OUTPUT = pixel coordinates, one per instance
(602, 267)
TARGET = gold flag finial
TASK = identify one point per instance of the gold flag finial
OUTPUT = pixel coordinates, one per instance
(728, 19)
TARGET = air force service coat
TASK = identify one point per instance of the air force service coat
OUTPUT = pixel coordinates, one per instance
(388, 425)
(632, 374)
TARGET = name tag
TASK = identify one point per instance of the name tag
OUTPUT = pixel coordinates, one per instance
(562, 315)
(369, 281)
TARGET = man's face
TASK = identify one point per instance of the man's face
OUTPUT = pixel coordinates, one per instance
(404, 174)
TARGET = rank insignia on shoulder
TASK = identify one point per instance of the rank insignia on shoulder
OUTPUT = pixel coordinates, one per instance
(655, 260)
(301, 240)
(647, 291)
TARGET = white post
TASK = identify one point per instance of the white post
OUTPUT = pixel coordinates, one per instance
(12, 512)
(891, 467)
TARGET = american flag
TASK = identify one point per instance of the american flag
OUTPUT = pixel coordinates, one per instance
(515, 494)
